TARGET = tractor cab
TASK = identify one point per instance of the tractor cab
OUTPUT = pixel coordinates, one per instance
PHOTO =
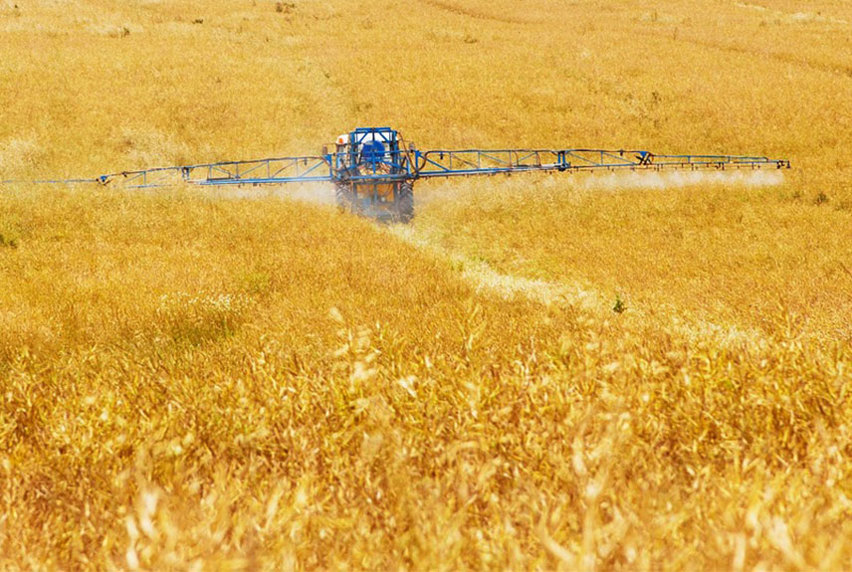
(368, 151)
(373, 174)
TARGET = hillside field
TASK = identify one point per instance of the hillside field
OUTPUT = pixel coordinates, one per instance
(544, 371)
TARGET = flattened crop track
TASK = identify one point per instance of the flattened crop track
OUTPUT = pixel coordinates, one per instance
(461, 11)
(485, 279)
(727, 47)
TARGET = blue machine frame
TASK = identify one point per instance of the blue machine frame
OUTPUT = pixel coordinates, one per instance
(396, 162)
(373, 156)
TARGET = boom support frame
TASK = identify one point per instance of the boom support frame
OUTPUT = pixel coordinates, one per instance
(373, 170)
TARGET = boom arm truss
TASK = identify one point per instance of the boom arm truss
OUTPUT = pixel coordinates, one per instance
(448, 163)
(411, 164)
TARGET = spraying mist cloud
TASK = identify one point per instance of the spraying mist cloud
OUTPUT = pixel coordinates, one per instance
(662, 180)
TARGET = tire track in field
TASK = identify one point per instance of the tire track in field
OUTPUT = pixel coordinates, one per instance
(486, 280)
(725, 47)
(794, 17)
(466, 12)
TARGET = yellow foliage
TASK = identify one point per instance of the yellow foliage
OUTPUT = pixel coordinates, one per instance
(233, 379)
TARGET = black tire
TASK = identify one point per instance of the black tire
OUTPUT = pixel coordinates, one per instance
(345, 197)
(405, 202)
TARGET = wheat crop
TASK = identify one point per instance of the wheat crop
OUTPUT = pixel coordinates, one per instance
(541, 372)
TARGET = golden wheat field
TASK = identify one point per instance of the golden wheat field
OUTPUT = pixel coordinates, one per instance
(553, 371)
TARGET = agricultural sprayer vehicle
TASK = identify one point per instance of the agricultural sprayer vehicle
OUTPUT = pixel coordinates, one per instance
(373, 170)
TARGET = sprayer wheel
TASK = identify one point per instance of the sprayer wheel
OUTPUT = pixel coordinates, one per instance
(345, 198)
(405, 202)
